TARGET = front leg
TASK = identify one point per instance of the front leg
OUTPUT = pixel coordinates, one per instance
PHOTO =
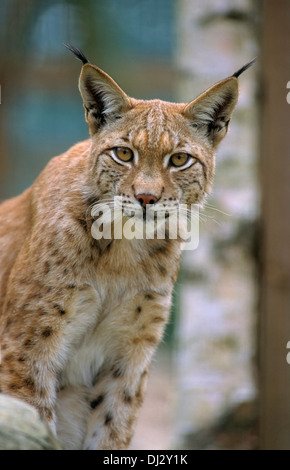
(28, 377)
(134, 333)
(33, 340)
(114, 404)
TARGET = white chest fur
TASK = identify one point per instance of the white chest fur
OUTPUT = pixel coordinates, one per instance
(84, 355)
(104, 316)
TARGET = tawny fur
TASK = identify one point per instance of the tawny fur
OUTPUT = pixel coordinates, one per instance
(80, 318)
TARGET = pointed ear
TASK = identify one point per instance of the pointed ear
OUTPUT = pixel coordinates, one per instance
(103, 99)
(211, 111)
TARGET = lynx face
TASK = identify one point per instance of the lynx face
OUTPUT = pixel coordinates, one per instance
(152, 154)
(161, 161)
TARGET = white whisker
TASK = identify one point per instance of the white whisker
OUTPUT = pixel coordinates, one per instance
(210, 207)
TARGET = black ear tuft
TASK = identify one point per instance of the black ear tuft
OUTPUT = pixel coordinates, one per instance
(245, 67)
(77, 52)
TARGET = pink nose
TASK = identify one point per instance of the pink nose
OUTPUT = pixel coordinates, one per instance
(146, 199)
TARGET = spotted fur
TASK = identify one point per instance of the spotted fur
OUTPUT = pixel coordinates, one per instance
(80, 318)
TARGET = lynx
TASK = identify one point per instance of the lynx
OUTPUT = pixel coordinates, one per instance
(81, 317)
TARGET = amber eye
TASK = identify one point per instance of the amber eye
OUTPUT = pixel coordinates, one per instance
(179, 159)
(124, 154)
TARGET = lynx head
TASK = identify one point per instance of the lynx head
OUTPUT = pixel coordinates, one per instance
(153, 152)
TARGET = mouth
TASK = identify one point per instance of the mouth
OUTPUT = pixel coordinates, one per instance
(147, 214)
(119, 220)
(152, 219)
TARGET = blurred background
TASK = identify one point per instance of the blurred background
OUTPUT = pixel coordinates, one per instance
(221, 379)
